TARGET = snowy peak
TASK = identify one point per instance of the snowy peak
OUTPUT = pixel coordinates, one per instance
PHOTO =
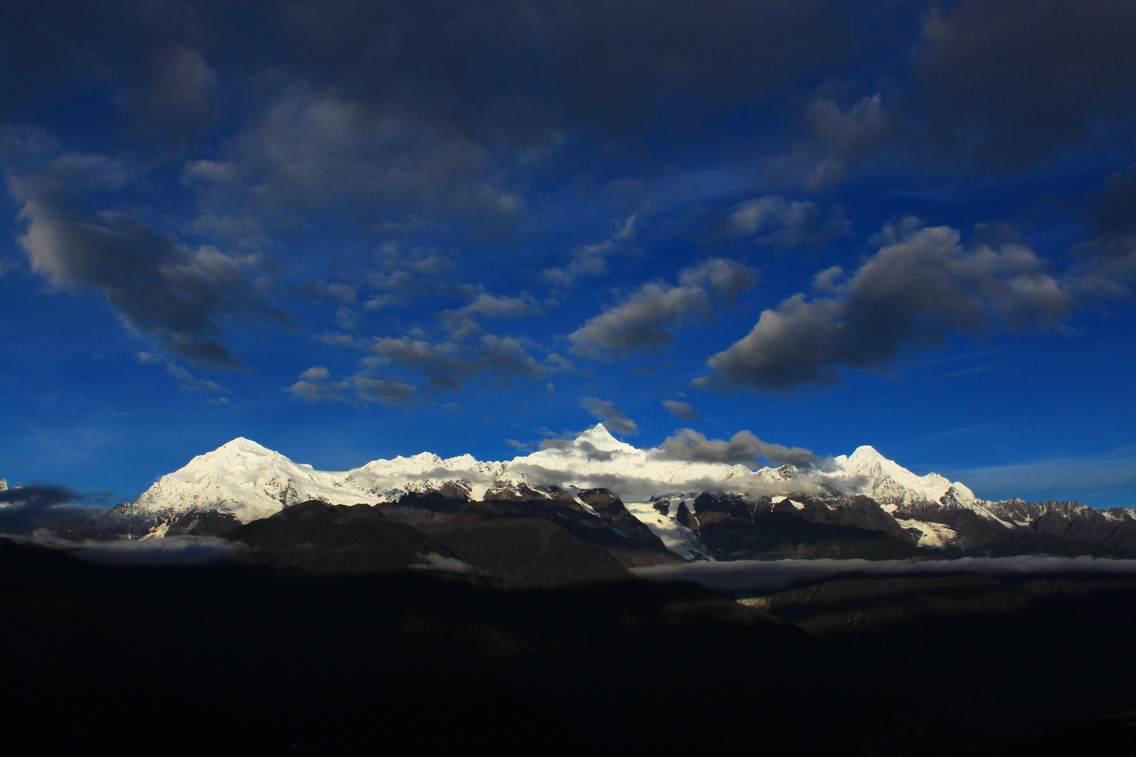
(601, 439)
(246, 479)
(869, 472)
(241, 447)
(866, 454)
(244, 444)
(239, 453)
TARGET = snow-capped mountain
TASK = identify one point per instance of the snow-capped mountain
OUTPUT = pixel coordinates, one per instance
(870, 473)
(250, 481)
(243, 478)
(863, 490)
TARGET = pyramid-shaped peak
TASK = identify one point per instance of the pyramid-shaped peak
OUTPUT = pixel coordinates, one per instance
(599, 437)
(243, 444)
(867, 452)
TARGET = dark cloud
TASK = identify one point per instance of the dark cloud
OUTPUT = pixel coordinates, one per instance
(646, 320)
(680, 409)
(921, 285)
(176, 98)
(177, 295)
(50, 516)
(449, 364)
(37, 497)
(320, 151)
(742, 448)
(47, 511)
(144, 58)
(431, 358)
(1009, 83)
(383, 391)
(611, 415)
(1105, 264)
(337, 291)
(494, 67)
(643, 322)
(1114, 209)
(506, 356)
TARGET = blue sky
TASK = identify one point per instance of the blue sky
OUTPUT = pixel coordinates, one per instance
(364, 231)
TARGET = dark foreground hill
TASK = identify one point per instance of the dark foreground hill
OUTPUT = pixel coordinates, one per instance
(512, 543)
(263, 659)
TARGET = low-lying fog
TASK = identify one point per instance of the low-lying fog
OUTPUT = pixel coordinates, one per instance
(773, 575)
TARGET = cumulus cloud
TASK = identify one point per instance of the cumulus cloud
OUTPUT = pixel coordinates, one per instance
(742, 448)
(921, 285)
(610, 415)
(773, 219)
(646, 320)
(591, 259)
(434, 358)
(316, 385)
(680, 409)
(449, 364)
(462, 321)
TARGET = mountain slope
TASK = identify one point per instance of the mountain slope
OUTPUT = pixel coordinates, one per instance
(247, 480)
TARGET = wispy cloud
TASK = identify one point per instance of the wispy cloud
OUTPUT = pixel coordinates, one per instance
(1102, 477)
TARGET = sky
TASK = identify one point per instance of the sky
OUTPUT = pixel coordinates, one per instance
(350, 230)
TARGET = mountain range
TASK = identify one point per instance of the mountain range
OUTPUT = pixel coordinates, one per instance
(640, 506)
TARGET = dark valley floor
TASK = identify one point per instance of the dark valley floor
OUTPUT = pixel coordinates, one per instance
(244, 655)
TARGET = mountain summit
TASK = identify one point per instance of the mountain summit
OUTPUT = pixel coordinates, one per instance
(599, 437)
(874, 475)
